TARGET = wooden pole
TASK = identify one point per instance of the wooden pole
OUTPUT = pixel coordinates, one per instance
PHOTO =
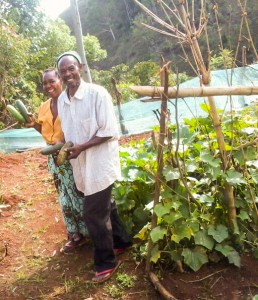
(160, 163)
(203, 91)
(79, 40)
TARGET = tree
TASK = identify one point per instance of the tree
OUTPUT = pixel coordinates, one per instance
(93, 49)
(14, 55)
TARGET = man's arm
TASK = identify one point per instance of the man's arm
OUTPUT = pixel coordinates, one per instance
(76, 150)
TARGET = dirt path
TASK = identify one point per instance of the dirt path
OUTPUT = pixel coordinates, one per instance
(32, 232)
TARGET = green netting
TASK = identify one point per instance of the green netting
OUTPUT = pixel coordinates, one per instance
(139, 116)
(20, 139)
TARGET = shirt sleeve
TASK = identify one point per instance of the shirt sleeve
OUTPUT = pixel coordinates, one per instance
(106, 118)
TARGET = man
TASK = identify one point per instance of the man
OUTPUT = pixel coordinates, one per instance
(88, 120)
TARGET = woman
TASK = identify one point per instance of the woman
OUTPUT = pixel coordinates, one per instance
(49, 126)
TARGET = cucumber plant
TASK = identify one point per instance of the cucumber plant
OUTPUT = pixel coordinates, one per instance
(193, 225)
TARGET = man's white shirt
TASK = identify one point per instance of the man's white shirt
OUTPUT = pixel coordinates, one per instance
(90, 113)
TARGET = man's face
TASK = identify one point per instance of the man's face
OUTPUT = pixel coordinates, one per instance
(69, 70)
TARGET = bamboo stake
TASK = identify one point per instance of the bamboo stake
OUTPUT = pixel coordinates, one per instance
(158, 180)
(244, 13)
(203, 91)
(205, 75)
(191, 35)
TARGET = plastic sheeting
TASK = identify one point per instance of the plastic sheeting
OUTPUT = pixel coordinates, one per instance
(20, 139)
(139, 116)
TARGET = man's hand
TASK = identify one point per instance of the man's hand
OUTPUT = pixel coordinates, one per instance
(74, 151)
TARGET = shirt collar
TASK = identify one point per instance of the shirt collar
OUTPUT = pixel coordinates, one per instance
(79, 93)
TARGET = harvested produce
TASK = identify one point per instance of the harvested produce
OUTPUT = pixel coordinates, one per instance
(23, 110)
(15, 113)
(51, 149)
(62, 155)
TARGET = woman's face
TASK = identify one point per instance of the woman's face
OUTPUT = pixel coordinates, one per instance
(51, 84)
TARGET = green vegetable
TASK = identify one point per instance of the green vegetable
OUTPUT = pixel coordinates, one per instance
(23, 110)
(62, 155)
(15, 113)
(51, 149)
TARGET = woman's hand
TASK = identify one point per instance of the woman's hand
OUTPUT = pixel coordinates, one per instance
(31, 123)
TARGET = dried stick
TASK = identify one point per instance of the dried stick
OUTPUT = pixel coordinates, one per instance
(163, 291)
(201, 279)
(14, 124)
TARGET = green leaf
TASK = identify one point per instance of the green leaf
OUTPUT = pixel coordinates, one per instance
(191, 166)
(215, 172)
(161, 210)
(209, 159)
(129, 204)
(219, 233)
(143, 233)
(195, 226)
(254, 175)
(172, 217)
(175, 255)
(243, 215)
(230, 253)
(195, 259)
(206, 199)
(171, 173)
(234, 178)
(234, 259)
(224, 249)
(157, 234)
(202, 238)
(205, 107)
(180, 232)
(186, 135)
(155, 254)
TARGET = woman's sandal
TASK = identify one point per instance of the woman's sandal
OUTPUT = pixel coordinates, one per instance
(105, 275)
(71, 245)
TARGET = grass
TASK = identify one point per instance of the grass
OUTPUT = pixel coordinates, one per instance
(123, 282)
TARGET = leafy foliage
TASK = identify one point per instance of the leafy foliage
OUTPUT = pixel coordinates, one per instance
(126, 40)
(193, 225)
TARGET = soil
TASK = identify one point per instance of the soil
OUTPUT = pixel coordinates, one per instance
(32, 232)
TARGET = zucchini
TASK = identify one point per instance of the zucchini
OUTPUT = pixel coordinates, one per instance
(15, 113)
(62, 155)
(23, 110)
(51, 149)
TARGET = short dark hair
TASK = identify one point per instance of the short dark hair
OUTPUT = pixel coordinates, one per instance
(52, 70)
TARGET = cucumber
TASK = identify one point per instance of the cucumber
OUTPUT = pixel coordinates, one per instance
(51, 149)
(62, 155)
(15, 113)
(23, 110)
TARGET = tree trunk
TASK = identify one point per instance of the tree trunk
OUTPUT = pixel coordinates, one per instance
(79, 40)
